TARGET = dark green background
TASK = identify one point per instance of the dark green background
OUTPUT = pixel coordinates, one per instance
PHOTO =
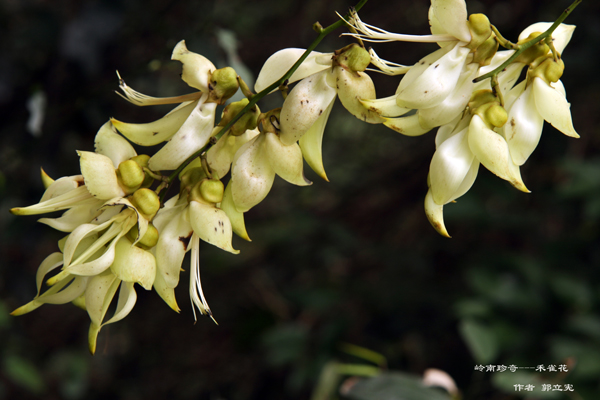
(353, 260)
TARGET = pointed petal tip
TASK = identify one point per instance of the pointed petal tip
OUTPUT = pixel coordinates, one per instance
(46, 179)
(521, 186)
(17, 211)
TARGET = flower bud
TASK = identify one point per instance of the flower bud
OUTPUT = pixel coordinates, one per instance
(190, 178)
(223, 84)
(486, 51)
(480, 28)
(149, 239)
(496, 115)
(353, 87)
(146, 201)
(208, 191)
(352, 57)
(247, 121)
(141, 160)
(130, 175)
(547, 69)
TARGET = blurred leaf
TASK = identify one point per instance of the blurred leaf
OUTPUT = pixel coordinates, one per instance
(480, 339)
(365, 354)
(24, 373)
(285, 344)
(472, 308)
(505, 381)
(393, 386)
(586, 355)
(328, 382)
(573, 290)
(588, 325)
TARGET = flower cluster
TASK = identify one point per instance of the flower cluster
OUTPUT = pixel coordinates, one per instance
(121, 231)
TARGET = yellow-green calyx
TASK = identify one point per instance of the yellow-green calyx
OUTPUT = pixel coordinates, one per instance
(352, 57)
(485, 104)
(480, 28)
(150, 237)
(537, 50)
(270, 121)
(247, 121)
(484, 53)
(208, 191)
(546, 68)
(130, 175)
(223, 85)
(146, 201)
(190, 178)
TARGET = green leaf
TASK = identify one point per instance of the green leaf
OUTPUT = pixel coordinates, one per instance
(480, 339)
(24, 373)
(394, 386)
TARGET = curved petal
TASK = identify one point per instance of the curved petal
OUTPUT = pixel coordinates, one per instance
(553, 107)
(280, 62)
(112, 145)
(408, 126)
(126, 302)
(524, 127)
(385, 106)
(166, 293)
(436, 82)
(191, 137)
(452, 18)
(417, 70)
(100, 176)
(172, 245)
(220, 156)
(235, 217)
(64, 201)
(286, 161)
(61, 186)
(98, 295)
(449, 167)
(77, 215)
(435, 214)
(452, 105)
(561, 35)
(211, 225)
(153, 133)
(311, 143)
(304, 105)
(251, 174)
(352, 87)
(197, 69)
(445, 131)
(492, 151)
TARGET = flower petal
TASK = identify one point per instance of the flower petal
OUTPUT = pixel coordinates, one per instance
(77, 215)
(408, 126)
(211, 225)
(553, 107)
(449, 167)
(385, 106)
(220, 156)
(64, 201)
(452, 17)
(280, 62)
(251, 174)
(311, 143)
(197, 69)
(304, 105)
(235, 217)
(133, 264)
(156, 132)
(286, 161)
(126, 302)
(436, 82)
(435, 214)
(352, 87)
(492, 151)
(99, 174)
(109, 143)
(561, 35)
(191, 137)
(524, 127)
(62, 186)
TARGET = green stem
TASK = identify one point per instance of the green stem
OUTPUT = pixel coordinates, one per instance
(526, 45)
(275, 85)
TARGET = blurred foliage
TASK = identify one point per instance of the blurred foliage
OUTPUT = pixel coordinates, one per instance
(353, 260)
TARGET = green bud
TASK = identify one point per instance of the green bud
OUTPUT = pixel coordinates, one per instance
(150, 237)
(480, 28)
(146, 201)
(190, 178)
(223, 84)
(547, 69)
(486, 51)
(353, 57)
(247, 121)
(481, 97)
(141, 160)
(130, 175)
(537, 50)
(208, 191)
(496, 115)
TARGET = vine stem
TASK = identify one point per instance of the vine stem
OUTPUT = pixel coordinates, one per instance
(526, 45)
(322, 33)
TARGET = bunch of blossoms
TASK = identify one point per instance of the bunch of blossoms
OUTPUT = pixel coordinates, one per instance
(122, 231)
(490, 120)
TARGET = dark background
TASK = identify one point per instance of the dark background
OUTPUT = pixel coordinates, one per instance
(353, 260)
